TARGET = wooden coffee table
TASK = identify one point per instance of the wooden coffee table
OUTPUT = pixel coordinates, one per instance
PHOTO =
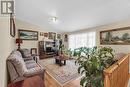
(59, 60)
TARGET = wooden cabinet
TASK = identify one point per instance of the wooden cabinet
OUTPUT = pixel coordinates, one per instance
(46, 49)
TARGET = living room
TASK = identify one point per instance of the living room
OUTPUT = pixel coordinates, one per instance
(59, 26)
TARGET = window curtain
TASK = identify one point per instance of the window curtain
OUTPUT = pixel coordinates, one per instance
(82, 40)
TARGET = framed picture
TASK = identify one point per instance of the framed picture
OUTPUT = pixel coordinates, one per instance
(40, 33)
(120, 36)
(12, 26)
(58, 36)
(45, 34)
(52, 35)
(28, 35)
(66, 38)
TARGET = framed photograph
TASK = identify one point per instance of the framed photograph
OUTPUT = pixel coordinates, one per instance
(28, 35)
(66, 38)
(52, 35)
(40, 33)
(58, 36)
(12, 26)
(45, 34)
(120, 36)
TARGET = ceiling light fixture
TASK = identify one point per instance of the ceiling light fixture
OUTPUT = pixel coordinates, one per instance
(54, 19)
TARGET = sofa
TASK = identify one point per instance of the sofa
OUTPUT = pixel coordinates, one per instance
(22, 66)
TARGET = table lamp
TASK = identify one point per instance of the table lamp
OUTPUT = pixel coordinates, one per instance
(19, 41)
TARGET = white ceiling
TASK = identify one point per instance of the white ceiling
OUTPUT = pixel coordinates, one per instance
(72, 14)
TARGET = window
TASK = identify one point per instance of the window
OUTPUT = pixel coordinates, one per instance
(82, 40)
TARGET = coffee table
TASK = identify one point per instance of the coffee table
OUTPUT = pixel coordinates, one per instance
(58, 60)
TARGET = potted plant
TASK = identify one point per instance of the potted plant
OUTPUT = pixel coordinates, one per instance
(64, 50)
(92, 62)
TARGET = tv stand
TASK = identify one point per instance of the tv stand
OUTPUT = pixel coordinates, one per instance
(47, 55)
(43, 52)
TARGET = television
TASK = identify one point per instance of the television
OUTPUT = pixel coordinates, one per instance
(48, 49)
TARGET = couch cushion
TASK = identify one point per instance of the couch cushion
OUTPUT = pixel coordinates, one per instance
(18, 63)
(16, 53)
(31, 64)
(34, 71)
(25, 53)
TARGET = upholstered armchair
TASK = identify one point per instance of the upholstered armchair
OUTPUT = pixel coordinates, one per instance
(21, 68)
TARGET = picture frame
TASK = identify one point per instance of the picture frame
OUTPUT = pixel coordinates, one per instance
(58, 36)
(12, 26)
(65, 38)
(28, 34)
(119, 36)
(41, 34)
(52, 35)
(45, 34)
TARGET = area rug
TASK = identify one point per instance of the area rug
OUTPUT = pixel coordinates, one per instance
(62, 74)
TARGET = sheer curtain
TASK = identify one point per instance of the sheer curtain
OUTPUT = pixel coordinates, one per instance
(82, 40)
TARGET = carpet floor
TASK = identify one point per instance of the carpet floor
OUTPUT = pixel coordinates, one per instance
(62, 74)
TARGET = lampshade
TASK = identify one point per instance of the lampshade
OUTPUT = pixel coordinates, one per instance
(18, 40)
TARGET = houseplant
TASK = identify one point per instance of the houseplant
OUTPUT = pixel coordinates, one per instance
(92, 62)
(64, 50)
